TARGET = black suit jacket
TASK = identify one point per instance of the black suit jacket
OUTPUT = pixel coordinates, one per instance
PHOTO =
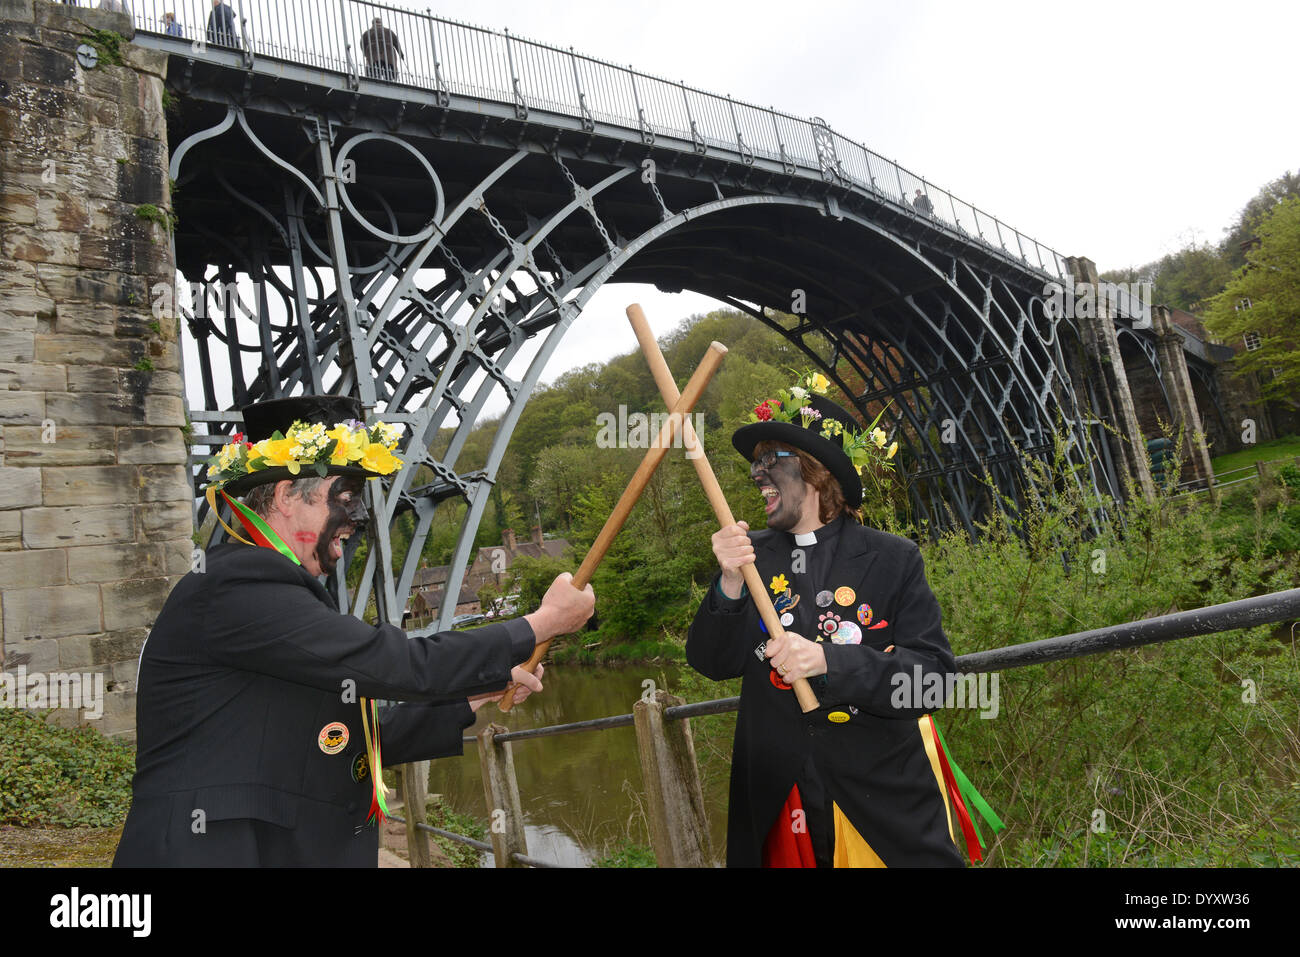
(873, 765)
(250, 748)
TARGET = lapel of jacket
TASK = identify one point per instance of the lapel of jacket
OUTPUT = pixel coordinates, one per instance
(853, 564)
(773, 557)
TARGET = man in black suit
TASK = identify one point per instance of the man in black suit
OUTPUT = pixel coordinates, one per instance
(253, 745)
(856, 782)
(221, 25)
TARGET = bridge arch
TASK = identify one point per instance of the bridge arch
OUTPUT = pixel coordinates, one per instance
(963, 357)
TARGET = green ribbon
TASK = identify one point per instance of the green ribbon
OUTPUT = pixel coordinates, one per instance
(253, 520)
(969, 794)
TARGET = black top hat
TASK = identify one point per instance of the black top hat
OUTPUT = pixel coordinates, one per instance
(263, 419)
(830, 452)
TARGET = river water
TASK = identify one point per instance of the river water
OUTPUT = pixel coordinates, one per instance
(581, 793)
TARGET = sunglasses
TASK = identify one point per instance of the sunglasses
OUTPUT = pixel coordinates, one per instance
(768, 459)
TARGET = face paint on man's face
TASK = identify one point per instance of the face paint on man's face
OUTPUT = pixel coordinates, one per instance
(347, 513)
(783, 487)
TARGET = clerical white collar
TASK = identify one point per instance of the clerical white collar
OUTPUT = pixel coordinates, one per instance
(806, 538)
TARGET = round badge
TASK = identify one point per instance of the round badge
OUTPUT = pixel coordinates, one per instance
(848, 634)
(360, 767)
(787, 620)
(839, 717)
(777, 682)
(829, 623)
(824, 598)
(333, 738)
(844, 596)
(864, 614)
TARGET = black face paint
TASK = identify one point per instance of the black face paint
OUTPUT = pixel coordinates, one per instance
(787, 478)
(347, 511)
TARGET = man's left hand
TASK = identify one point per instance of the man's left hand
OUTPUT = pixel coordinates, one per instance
(527, 682)
(795, 657)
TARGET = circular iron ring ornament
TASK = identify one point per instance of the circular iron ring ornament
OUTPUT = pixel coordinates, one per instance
(300, 205)
(341, 157)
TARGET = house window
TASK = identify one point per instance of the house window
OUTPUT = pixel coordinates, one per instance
(1252, 341)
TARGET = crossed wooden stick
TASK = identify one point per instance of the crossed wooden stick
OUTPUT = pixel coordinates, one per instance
(680, 405)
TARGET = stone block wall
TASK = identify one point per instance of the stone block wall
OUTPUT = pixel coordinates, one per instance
(95, 506)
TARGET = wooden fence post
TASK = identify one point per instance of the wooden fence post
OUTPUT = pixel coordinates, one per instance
(679, 827)
(501, 792)
(415, 787)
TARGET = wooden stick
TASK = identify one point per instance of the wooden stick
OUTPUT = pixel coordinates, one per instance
(680, 407)
(712, 490)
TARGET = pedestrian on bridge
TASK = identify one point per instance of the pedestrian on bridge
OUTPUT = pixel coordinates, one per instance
(856, 782)
(380, 47)
(258, 732)
(221, 25)
(923, 204)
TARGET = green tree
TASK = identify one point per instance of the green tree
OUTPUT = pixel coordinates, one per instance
(1286, 186)
(558, 475)
(1263, 299)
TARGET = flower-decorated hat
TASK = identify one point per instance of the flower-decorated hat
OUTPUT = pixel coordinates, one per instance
(802, 416)
(300, 437)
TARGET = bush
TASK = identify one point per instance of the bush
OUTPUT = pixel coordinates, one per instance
(61, 777)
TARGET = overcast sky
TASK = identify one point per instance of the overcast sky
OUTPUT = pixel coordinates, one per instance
(1113, 130)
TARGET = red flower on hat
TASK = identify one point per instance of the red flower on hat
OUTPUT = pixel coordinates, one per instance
(237, 437)
(764, 411)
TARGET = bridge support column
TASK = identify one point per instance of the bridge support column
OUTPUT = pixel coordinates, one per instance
(1178, 386)
(95, 501)
(1105, 365)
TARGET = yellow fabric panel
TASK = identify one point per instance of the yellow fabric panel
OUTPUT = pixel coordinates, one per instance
(932, 752)
(851, 850)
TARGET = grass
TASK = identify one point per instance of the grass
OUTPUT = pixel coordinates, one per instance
(1287, 447)
(628, 854)
(438, 814)
(598, 653)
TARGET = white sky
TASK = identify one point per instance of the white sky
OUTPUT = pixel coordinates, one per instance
(1113, 130)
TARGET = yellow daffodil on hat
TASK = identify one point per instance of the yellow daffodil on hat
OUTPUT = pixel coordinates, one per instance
(307, 445)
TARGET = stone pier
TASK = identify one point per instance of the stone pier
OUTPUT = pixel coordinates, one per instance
(95, 506)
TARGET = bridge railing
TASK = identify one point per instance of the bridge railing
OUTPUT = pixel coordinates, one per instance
(458, 59)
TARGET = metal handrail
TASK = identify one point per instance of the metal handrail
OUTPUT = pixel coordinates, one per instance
(451, 58)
